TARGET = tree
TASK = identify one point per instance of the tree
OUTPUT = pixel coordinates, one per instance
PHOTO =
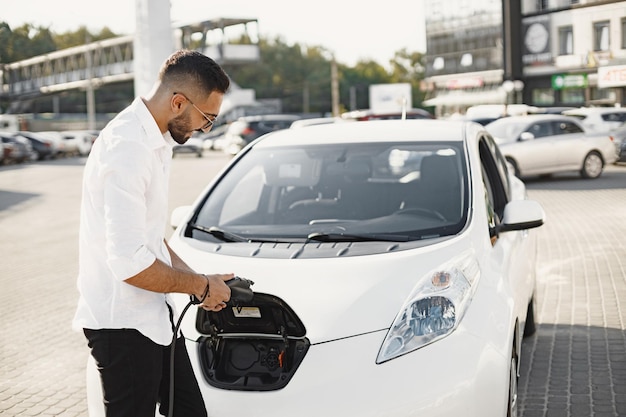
(81, 36)
(27, 40)
(24, 42)
(290, 73)
(298, 76)
(407, 67)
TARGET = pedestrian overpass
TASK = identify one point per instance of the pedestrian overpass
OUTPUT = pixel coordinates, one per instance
(97, 64)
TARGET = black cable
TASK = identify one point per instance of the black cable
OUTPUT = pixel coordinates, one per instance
(170, 412)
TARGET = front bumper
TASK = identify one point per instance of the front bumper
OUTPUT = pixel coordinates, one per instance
(458, 375)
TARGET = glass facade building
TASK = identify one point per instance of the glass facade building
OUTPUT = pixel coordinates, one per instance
(541, 53)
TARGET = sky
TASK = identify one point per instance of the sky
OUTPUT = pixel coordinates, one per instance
(352, 30)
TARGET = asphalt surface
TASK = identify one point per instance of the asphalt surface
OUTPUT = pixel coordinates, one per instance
(575, 365)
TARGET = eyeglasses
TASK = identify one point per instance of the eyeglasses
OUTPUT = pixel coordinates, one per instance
(209, 121)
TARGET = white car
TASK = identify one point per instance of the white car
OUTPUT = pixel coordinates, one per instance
(79, 141)
(599, 119)
(546, 144)
(376, 291)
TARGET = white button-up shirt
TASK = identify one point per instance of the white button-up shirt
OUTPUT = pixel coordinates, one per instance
(122, 226)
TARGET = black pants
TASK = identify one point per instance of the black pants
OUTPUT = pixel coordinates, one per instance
(135, 375)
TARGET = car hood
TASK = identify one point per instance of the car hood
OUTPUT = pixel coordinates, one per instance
(333, 297)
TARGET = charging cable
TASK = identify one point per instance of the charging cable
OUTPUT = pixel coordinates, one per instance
(239, 292)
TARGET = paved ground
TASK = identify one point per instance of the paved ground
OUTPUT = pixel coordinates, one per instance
(574, 366)
(576, 363)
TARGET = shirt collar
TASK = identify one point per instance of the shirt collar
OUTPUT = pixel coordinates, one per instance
(155, 138)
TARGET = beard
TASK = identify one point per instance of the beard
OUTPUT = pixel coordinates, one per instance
(180, 129)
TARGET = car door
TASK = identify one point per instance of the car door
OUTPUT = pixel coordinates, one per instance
(536, 155)
(568, 144)
(510, 249)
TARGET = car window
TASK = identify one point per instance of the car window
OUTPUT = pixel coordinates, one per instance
(413, 190)
(562, 128)
(495, 194)
(500, 164)
(614, 117)
(540, 129)
(271, 125)
(506, 129)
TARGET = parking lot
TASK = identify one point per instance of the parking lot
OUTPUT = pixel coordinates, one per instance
(575, 365)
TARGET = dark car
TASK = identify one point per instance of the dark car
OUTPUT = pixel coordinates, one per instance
(192, 146)
(247, 128)
(42, 148)
(20, 148)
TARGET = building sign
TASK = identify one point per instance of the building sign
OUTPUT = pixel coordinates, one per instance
(468, 82)
(536, 35)
(613, 76)
(390, 97)
(564, 81)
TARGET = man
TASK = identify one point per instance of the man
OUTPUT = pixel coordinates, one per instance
(126, 268)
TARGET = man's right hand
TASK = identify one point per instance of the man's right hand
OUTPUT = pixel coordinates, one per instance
(219, 292)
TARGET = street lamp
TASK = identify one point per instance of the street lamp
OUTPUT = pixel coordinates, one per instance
(512, 89)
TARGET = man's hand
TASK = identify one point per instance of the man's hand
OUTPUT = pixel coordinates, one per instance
(219, 292)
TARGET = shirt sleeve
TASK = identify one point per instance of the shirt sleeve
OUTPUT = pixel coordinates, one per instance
(126, 175)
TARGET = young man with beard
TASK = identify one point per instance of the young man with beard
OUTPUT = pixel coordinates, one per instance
(126, 268)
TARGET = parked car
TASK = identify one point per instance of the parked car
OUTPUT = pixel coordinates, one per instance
(315, 121)
(59, 145)
(42, 147)
(552, 109)
(78, 141)
(369, 114)
(409, 290)
(599, 119)
(619, 138)
(210, 138)
(247, 128)
(194, 145)
(20, 149)
(550, 143)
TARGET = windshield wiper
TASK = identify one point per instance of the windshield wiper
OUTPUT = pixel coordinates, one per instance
(343, 237)
(225, 236)
(221, 234)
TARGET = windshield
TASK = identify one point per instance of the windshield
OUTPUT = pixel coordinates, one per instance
(344, 192)
(505, 129)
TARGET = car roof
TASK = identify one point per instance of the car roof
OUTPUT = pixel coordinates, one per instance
(592, 110)
(370, 131)
(536, 117)
(269, 117)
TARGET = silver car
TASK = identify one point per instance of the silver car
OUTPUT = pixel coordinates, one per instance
(549, 144)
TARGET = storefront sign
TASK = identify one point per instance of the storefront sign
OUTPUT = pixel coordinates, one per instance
(536, 33)
(469, 82)
(563, 81)
(613, 76)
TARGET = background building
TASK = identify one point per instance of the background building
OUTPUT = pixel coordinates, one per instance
(549, 53)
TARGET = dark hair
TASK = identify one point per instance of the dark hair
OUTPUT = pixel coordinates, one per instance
(186, 67)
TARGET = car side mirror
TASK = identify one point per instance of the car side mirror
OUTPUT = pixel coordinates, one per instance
(526, 136)
(521, 215)
(179, 215)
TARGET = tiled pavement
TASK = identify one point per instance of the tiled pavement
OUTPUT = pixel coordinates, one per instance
(574, 366)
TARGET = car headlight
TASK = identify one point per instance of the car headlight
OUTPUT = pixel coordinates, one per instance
(434, 308)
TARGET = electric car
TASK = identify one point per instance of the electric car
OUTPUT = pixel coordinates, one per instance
(393, 265)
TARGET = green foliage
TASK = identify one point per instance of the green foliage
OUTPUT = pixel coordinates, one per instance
(81, 36)
(297, 75)
(300, 76)
(27, 40)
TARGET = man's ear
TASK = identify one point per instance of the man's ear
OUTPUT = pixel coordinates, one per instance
(176, 103)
